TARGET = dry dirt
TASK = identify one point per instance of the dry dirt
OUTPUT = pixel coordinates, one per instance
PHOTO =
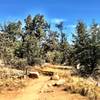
(35, 91)
(42, 89)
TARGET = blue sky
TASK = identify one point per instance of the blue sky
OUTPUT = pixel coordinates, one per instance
(68, 11)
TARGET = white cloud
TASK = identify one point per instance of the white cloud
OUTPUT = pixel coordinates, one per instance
(57, 20)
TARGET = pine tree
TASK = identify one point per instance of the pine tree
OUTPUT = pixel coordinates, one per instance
(95, 44)
(82, 48)
(64, 46)
(35, 30)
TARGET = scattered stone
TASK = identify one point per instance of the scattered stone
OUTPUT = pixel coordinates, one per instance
(55, 77)
(49, 85)
(33, 75)
(47, 88)
(59, 82)
(48, 91)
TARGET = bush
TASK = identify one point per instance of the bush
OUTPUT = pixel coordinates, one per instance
(19, 63)
(7, 56)
(37, 61)
(96, 73)
(50, 56)
(54, 57)
(58, 57)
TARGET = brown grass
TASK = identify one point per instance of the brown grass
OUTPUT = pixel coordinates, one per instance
(9, 80)
(75, 84)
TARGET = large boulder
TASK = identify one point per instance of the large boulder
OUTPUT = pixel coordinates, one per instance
(33, 75)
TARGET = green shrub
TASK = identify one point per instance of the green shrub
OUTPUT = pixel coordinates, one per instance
(54, 57)
(50, 56)
(37, 61)
(58, 56)
(19, 63)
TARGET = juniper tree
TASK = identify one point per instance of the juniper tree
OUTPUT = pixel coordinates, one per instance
(34, 33)
(82, 47)
(8, 38)
(95, 44)
(64, 46)
(84, 51)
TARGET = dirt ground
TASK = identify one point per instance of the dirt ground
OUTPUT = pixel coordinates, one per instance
(42, 88)
(35, 91)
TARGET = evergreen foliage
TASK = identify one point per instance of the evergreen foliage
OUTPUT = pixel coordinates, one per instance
(36, 43)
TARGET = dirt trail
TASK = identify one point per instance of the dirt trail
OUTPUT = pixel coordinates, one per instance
(33, 92)
(33, 89)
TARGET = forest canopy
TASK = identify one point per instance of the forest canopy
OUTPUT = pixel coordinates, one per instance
(37, 43)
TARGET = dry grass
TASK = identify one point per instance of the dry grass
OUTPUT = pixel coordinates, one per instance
(83, 87)
(53, 68)
(10, 84)
(9, 79)
(75, 84)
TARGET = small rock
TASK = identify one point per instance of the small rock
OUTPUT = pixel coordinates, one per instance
(48, 91)
(25, 76)
(33, 75)
(78, 66)
(49, 85)
(98, 84)
(55, 77)
(59, 82)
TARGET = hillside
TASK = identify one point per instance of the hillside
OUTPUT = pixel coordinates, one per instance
(43, 88)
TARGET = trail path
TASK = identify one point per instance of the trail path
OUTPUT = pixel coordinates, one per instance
(31, 92)
(34, 88)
